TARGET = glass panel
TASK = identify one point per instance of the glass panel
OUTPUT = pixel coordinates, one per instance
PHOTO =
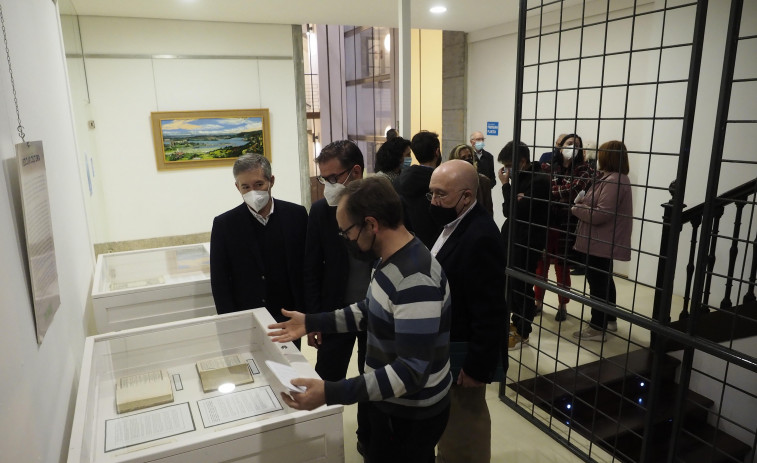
(383, 106)
(154, 267)
(365, 110)
(349, 57)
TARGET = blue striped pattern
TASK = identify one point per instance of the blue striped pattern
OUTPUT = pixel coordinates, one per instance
(407, 315)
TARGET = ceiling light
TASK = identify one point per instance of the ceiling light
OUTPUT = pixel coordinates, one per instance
(387, 42)
(438, 9)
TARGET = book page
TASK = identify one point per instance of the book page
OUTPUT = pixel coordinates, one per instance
(218, 362)
(238, 406)
(143, 390)
(148, 426)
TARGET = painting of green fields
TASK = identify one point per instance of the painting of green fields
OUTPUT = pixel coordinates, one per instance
(211, 138)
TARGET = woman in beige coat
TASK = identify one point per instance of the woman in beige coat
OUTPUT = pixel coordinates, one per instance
(605, 215)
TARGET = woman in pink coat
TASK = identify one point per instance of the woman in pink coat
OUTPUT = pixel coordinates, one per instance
(605, 215)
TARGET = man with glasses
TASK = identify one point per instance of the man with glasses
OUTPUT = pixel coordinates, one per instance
(412, 186)
(472, 254)
(333, 278)
(404, 389)
(257, 249)
(485, 160)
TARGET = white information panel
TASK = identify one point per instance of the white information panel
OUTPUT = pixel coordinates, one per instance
(38, 227)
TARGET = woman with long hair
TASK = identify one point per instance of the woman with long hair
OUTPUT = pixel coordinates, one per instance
(571, 174)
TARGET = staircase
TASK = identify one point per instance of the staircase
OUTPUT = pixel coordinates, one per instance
(605, 401)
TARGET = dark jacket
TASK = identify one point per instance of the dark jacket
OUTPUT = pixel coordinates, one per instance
(236, 265)
(532, 210)
(326, 261)
(412, 187)
(473, 258)
(485, 166)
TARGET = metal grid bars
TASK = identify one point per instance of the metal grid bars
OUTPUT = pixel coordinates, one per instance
(661, 383)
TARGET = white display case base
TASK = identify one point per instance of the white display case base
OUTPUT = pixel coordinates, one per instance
(251, 423)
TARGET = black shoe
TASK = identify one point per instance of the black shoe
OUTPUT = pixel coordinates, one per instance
(562, 314)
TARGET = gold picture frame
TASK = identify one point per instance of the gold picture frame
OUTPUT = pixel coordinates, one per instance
(188, 139)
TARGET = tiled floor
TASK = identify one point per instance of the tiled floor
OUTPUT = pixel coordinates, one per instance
(515, 439)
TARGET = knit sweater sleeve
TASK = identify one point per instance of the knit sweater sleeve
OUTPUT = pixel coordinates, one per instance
(413, 308)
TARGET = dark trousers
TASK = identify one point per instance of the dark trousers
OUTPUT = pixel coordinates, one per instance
(402, 440)
(520, 299)
(332, 362)
(601, 287)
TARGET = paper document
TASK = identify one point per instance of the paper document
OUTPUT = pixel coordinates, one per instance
(285, 374)
(148, 426)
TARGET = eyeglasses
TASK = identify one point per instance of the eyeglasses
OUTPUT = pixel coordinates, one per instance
(343, 233)
(439, 195)
(332, 179)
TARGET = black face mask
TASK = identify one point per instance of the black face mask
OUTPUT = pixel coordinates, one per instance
(443, 215)
(354, 250)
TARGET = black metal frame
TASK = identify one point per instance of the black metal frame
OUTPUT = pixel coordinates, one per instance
(674, 217)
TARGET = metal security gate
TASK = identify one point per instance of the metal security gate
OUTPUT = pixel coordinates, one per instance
(677, 381)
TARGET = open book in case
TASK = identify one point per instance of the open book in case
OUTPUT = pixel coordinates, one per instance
(161, 412)
(149, 286)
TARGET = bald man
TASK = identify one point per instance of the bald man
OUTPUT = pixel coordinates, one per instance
(485, 160)
(472, 254)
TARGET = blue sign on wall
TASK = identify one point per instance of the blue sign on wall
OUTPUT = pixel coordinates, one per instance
(492, 128)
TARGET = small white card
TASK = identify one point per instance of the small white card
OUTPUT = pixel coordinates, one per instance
(285, 374)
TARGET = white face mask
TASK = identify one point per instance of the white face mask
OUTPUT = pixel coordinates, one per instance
(568, 152)
(331, 193)
(257, 200)
(479, 145)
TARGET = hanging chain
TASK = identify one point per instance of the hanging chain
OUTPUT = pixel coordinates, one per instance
(20, 127)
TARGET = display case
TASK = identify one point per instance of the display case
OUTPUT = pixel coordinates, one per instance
(251, 423)
(140, 288)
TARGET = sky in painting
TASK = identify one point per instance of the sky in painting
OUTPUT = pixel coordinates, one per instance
(210, 126)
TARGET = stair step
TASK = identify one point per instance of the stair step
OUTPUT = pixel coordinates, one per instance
(721, 325)
(609, 371)
(615, 416)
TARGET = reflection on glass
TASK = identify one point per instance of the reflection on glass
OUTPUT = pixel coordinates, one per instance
(154, 267)
(225, 388)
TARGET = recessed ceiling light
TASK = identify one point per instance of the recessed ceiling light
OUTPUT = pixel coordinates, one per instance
(438, 9)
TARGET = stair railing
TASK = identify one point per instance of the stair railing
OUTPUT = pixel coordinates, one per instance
(738, 197)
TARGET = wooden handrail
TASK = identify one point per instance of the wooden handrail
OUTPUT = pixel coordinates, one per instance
(730, 196)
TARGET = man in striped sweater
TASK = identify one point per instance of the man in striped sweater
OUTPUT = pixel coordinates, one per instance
(407, 315)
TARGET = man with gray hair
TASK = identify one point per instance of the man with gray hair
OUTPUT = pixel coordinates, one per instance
(257, 249)
(485, 163)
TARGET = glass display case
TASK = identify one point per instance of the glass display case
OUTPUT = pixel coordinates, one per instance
(140, 288)
(248, 422)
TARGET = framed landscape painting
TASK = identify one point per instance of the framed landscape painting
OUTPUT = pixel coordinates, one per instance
(209, 138)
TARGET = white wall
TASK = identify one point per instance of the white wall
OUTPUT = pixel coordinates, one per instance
(491, 90)
(131, 198)
(38, 382)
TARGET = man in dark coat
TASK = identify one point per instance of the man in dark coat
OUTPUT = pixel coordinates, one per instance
(412, 186)
(333, 278)
(471, 252)
(529, 226)
(257, 249)
(485, 160)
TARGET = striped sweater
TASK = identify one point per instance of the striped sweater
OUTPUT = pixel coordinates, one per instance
(407, 315)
